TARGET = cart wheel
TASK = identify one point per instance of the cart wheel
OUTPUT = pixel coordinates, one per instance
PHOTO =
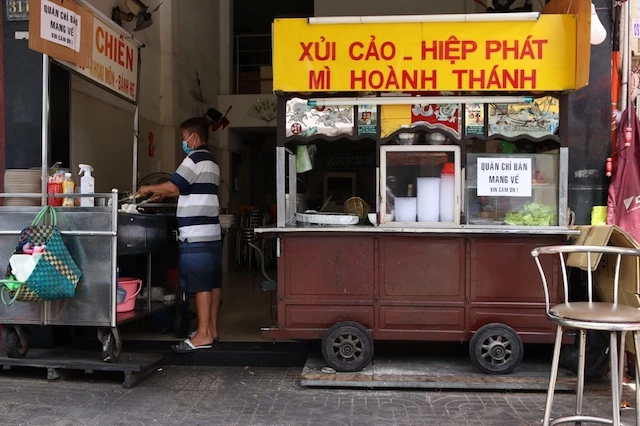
(111, 344)
(347, 346)
(16, 347)
(496, 349)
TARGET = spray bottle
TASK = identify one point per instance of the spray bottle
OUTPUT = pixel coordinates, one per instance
(87, 185)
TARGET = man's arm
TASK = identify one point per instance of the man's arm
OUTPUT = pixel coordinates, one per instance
(160, 191)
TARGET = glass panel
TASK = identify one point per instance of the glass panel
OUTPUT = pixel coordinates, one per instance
(512, 189)
(420, 184)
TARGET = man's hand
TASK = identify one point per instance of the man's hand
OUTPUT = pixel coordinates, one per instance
(159, 191)
(144, 190)
(157, 198)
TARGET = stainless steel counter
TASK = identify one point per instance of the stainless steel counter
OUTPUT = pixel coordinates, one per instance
(463, 229)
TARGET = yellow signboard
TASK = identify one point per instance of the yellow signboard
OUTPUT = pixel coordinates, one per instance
(404, 57)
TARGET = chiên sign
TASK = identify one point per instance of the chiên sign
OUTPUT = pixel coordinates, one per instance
(504, 177)
(114, 61)
(474, 56)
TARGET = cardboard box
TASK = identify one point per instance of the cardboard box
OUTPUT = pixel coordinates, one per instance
(604, 266)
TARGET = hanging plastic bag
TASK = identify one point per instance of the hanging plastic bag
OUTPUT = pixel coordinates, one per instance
(623, 204)
(304, 158)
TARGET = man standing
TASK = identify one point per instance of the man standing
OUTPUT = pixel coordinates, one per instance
(195, 183)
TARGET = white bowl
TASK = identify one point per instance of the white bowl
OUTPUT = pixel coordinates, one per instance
(373, 218)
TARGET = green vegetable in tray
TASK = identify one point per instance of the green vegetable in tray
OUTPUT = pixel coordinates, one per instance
(532, 214)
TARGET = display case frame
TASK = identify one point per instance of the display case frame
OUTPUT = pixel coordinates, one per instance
(384, 219)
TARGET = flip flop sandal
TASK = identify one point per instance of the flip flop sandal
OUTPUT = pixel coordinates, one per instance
(193, 334)
(186, 346)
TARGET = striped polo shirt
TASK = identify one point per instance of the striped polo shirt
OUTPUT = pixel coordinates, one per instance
(198, 178)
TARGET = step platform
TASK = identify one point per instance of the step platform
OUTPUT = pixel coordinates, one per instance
(135, 366)
(437, 373)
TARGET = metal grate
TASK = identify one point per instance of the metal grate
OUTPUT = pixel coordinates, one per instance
(251, 63)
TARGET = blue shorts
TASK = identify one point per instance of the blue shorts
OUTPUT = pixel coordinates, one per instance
(200, 266)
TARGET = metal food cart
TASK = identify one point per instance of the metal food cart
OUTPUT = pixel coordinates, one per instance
(467, 279)
(95, 236)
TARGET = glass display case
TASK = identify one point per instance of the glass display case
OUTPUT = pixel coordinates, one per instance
(420, 185)
(513, 189)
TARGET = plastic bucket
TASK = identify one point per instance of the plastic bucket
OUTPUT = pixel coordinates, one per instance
(132, 286)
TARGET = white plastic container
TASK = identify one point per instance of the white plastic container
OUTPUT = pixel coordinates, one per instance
(428, 199)
(405, 209)
(447, 193)
(87, 185)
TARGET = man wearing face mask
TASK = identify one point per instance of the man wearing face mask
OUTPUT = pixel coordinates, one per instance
(195, 183)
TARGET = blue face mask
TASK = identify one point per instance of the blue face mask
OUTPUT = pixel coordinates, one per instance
(185, 146)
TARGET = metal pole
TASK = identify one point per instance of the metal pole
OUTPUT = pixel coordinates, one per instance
(114, 258)
(280, 185)
(563, 188)
(237, 64)
(624, 33)
(134, 170)
(46, 65)
(293, 190)
(627, 70)
(136, 131)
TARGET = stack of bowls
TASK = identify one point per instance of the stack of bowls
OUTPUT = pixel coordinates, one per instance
(22, 181)
(226, 221)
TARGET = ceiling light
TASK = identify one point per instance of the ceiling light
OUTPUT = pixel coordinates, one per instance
(598, 31)
(459, 17)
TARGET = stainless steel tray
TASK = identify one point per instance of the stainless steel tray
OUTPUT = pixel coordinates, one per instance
(335, 219)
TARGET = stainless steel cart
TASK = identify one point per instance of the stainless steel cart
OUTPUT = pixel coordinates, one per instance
(91, 234)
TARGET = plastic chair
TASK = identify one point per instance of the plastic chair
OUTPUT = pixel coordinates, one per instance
(246, 235)
(611, 317)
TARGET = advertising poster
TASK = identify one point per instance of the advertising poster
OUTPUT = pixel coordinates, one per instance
(305, 120)
(367, 120)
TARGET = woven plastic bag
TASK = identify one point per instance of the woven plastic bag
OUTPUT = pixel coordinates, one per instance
(54, 276)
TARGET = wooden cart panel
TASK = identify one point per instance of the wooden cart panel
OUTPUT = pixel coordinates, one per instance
(412, 287)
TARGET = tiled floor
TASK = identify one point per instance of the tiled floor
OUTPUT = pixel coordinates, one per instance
(266, 396)
(244, 311)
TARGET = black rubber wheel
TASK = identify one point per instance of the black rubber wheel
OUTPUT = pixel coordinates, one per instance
(496, 349)
(347, 347)
(16, 348)
(111, 345)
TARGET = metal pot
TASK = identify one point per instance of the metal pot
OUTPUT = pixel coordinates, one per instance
(301, 203)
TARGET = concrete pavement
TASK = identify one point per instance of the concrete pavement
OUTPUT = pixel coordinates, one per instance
(182, 395)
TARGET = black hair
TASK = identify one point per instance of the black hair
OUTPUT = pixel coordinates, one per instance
(199, 125)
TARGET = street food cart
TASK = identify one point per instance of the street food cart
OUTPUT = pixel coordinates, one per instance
(96, 236)
(468, 173)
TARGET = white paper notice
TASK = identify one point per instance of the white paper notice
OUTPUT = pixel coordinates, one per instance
(60, 25)
(504, 177)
